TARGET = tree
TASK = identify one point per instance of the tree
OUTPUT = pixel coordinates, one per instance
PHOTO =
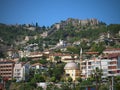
(39, 78)
(103, 87)
(53, 79)
(40, 88)
(97, 74)
(57, 59)
(79, 79)
(117, 82)
(24, 59)
(73, 49)
(43, 61)
(114, 28)
(14, 80)
(43, 28)
(69, 79)
(56, 71)
(36, 24)
(98, 47)
(25, 86)
(33, 82)
(0, 78)
(65, 86)
(2, 54)
(84, 84)
(117, 79)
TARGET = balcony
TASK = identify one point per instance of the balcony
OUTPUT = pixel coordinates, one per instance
(113, 74)
(5, 71)
(17, 77)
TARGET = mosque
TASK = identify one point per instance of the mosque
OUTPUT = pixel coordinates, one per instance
(72, 70)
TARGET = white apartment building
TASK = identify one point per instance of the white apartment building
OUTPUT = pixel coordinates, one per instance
(21, 71)
(88, 66)
(110, 66)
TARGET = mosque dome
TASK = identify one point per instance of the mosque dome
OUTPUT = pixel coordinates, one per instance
(71, 66)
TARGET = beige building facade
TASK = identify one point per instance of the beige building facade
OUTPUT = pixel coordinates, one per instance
(6, 69)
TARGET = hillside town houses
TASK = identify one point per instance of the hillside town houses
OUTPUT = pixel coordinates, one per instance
(108, 61)
(73, 54)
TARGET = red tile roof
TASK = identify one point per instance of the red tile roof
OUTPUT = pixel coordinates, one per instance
(35, 53)
(91, 52)
(36, 64)
(111, 49)
(8, 61)
(114, 55)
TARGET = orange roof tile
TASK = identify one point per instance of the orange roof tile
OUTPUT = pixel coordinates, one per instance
(91, 52)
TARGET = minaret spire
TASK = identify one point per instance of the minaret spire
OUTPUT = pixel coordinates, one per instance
(80, 59)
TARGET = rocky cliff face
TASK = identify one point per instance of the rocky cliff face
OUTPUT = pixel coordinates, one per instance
(77, 22)
(91, 22)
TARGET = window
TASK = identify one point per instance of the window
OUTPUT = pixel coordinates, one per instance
(89, 63)
(72, 74)
(67, 74)
(89, 67)
(104, 70)
(97, 62)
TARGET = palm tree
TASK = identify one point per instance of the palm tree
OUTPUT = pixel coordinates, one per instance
(97, 74)
(117, 82)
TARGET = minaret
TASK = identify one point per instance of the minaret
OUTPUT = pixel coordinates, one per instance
(80, 60)
(108, 34)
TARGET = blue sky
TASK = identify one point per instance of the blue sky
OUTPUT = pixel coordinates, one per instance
(48, 12)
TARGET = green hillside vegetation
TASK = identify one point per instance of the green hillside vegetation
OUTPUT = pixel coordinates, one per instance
(9, 34)
(72, 34)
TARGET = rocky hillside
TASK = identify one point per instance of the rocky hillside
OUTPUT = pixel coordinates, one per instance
(78, 23)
